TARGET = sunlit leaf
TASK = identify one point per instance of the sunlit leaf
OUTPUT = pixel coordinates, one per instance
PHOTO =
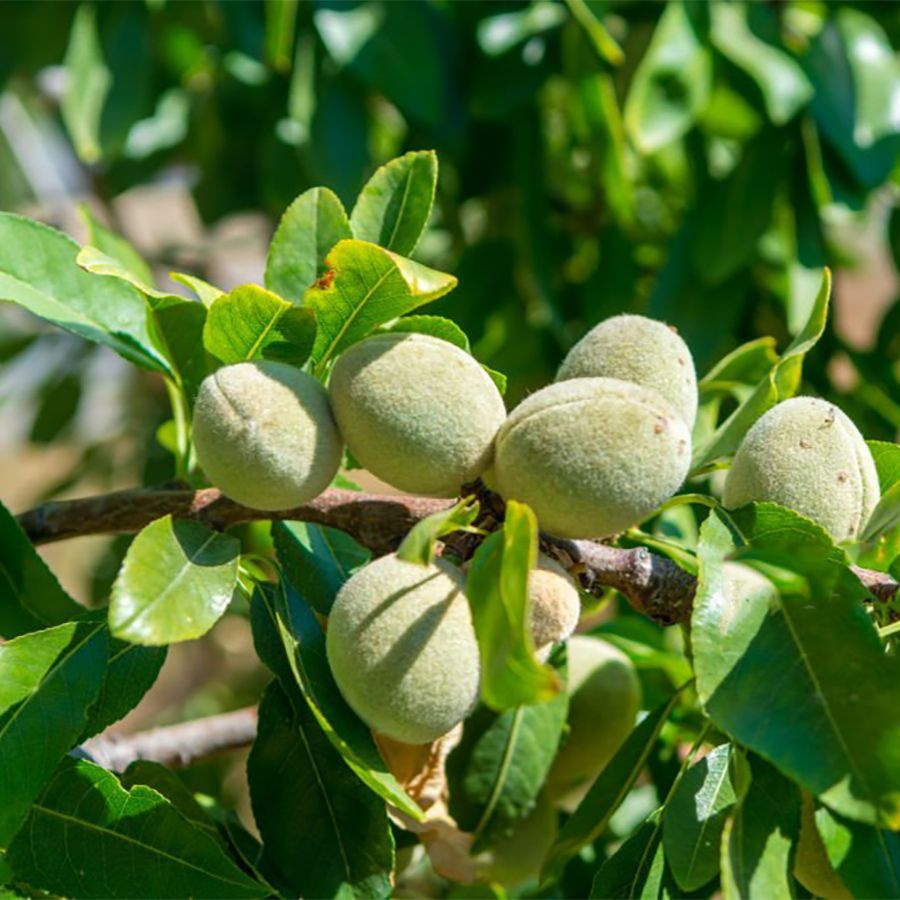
(175, 583)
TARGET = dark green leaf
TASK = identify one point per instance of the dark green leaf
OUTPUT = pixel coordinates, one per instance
(87, 84)
(119, 843)
(317, 560)
(736, 34)
(291, 643)
(324, 833)
(309, 228)
(695, 817)
(365, 287)
(38, 270)
(672, 83)
(504, 761)
(30, 596)
(758, 841)
(822, 650)
(636, 869)
(592, 816)
(131, 671)
(393, 208)
(497, 588)
(747, 365)
(419, 544)
(866, 858)
(48, 681)
(175, 582)
(253, 323)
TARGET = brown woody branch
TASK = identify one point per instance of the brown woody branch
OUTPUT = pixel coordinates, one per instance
(653, 585)
(175, 746)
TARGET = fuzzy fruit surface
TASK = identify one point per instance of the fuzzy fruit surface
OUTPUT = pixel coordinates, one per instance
(555, 604)
(402, 648)
(604, 700)
(591, 456)
(642, 350)
(265, 435)
(416, 411)
(807, 455)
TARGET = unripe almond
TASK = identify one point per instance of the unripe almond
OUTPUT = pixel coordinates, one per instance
(604, 700)
(591, 456)
(416, 411)
(638, 349)
(402, 648)
(555, 604)
(807, 455)
(265, 436)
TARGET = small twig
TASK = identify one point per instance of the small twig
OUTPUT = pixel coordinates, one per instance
(175, 746)
(655, 586)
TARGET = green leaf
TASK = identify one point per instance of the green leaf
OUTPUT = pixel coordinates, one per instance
(30, 596)
(131, 671)
(115, 247)
(48, 681)
(867, 859)
(119, 843)
(598, 34)
(97, 262)
(281, 17)
(737, 33)
(38, 270)
(758, 841)
(592, 816)
(324, 833)
(308, 230)
(887, 513)
(419, 544)
(745, 365)
(88, 81)
(501, 764)
(695, 818)
(822, 651)
(393, 208)
(180, 323)
(205, 292)
(673, 80)
(317, 560)
(436, 326)
(636, 869)
(497, 588)
(779, 384)
(365, 287)
(290, 641)
(175, 583)
(253, 323)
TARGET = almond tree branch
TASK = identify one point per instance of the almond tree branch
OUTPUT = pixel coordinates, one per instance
(175, 746)
(655, 586)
